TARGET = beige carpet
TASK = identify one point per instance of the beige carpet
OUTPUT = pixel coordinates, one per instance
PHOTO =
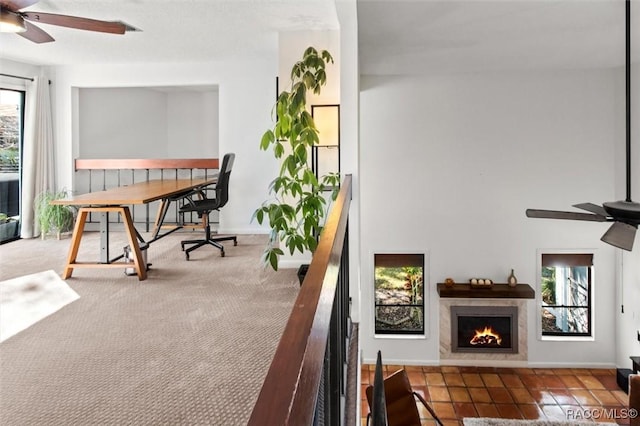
(28, 299)
(190, 345)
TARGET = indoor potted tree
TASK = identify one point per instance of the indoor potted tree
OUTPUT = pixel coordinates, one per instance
(295, 213)
(53, 217)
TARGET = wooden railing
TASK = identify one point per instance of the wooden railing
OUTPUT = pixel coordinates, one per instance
(145, 163)
(305, 384)
(100, 174)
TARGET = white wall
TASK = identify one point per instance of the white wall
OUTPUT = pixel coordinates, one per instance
(349, 135)
(122, 123)
(449, 163)
(18, 69)
(192, 126)
(137, 122)
(628, 322)
(244, 107)
(628, 283)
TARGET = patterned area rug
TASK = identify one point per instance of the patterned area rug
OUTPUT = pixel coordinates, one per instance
(26, 300)
(485, 421)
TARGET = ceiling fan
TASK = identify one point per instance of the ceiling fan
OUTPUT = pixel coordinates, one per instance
(624, 214)
(13, 20)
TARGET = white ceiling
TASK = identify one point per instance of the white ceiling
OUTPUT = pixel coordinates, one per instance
(395, 36)
(172, 30)
(399, 37)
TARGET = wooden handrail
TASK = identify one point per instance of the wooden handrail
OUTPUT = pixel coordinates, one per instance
(289, 392)
(144, 163)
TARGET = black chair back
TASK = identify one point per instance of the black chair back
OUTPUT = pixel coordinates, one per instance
(222, 186)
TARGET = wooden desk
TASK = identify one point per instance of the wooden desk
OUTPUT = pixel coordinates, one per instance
(117, 200)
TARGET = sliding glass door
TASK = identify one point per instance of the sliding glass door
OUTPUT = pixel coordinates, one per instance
(11, 130)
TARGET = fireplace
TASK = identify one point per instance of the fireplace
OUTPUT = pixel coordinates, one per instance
(484, 329)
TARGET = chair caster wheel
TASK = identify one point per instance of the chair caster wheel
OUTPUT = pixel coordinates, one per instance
(235, 243)
(221, 254)
(186, 255)
(182, 245)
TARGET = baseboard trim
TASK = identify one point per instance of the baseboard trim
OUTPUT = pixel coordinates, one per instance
(489, 363)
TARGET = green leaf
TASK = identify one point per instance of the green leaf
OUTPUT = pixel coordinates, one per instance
(301, 153)
(276, 185)
(307, 120)
(267, 138)
(321, 77)
(275, 213)
(310, 178)
(297, 70)
(309, 79)
(310, 137)
(312, 243)
(258, 215)
(296, 188)
(300, 95)
(278, 150)
(285, 123)
(273, 259)
(289, 211)
(309, 225)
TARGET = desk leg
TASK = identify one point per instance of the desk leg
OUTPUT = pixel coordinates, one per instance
(104, 237)
(133, 243)
(75, 242)
(162, 212)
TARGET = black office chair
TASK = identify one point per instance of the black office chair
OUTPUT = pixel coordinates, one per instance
(204, 206)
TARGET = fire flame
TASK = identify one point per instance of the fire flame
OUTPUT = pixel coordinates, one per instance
(487, 336)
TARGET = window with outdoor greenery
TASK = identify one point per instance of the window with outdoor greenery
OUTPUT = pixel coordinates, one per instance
(399, 293)
(11, 103)
(567, 281)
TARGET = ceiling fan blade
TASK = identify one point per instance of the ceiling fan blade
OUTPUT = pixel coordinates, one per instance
(76, 22)
(554, 214)
(35, 34)
(621, 235)
(15, 5)
(593, 208)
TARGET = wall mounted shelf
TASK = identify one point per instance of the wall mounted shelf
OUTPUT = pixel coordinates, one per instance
(496, 291)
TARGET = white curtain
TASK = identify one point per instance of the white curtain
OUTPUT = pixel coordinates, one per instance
(37, 161)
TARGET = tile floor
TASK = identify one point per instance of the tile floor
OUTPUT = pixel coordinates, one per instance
(516, 393)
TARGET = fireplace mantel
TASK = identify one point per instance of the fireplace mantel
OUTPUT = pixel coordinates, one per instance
(496, 291)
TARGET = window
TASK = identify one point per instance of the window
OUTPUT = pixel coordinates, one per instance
(11, 119)
(566, 289)
(399, 293)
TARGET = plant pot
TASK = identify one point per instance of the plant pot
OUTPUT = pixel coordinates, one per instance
(8, 230)
(302, 272)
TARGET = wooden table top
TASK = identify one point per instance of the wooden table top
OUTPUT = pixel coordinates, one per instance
(138, 193)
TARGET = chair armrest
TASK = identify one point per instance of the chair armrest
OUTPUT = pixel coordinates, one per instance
(428, 407)
(189, 197)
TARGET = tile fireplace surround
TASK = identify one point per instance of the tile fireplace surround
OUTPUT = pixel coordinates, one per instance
(447, 357)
